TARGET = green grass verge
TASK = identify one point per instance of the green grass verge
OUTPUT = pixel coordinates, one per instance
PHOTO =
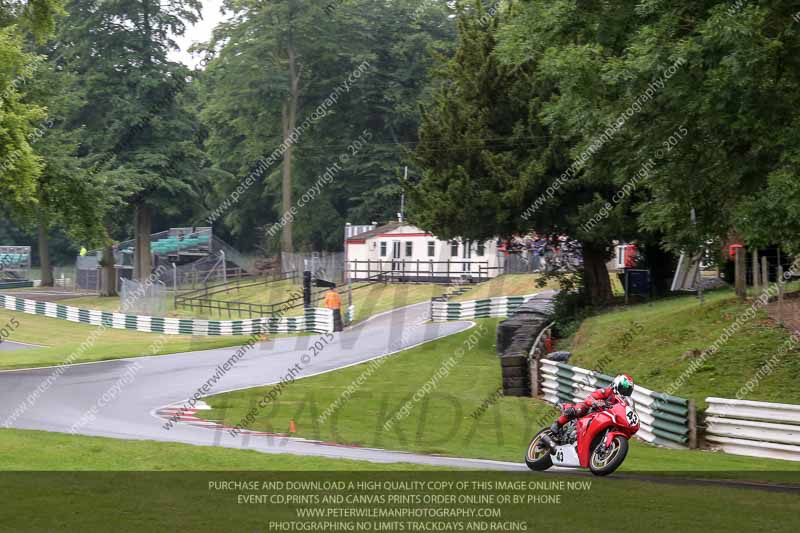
(660, 334)
(62, 338)
(442, 421)
(368, 299)
(186, 501)
(506, 285)
(25, 450)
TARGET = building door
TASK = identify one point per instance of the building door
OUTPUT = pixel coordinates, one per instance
(467, 254)
(396, 263)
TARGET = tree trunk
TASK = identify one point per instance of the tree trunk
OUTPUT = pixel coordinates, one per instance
(595, 275)
(44, 251)
(289, 124)
(142, 259)
(108, 274)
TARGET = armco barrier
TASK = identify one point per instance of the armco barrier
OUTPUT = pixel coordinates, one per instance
(665, 419)
(314, 320)
(757, 429)
(442, 310)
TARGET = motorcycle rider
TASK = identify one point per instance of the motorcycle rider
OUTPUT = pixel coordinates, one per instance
(622, 386)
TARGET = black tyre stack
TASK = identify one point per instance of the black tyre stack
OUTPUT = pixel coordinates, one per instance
(515, 338)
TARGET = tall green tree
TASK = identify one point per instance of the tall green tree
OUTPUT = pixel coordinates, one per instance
(498, 157)
(138, 135)
(384, 44)
(19, 165)
(720, 118)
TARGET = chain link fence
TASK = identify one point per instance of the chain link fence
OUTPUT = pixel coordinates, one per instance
(143, 298)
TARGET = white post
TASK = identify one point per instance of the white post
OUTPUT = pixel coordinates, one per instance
(224, 267)
(403, 197)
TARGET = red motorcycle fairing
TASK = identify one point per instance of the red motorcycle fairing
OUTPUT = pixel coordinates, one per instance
(594, 424)
(611, 434)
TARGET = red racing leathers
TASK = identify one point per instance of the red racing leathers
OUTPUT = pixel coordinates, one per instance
(572, 411)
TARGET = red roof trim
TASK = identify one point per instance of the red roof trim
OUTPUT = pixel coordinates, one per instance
(356, 241)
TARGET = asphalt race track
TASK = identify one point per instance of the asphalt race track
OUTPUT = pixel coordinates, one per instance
(169, 379)
(7, 346)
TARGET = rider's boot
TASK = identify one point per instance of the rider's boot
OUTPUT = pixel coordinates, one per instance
(555, 430)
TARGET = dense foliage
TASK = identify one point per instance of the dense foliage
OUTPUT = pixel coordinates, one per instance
(600, 120)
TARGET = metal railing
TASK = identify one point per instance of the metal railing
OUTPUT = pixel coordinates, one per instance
(757, 429)
(417, 270)
(201, 299)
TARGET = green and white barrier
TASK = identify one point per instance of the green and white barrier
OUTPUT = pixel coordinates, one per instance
(501, 306)
(315, 320)
(664, 419)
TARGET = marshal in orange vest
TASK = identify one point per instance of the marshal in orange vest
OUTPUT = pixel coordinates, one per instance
(333, 300)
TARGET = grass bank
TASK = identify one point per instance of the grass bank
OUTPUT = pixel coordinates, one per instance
(61, 338)
(25, 450)
(662, 339)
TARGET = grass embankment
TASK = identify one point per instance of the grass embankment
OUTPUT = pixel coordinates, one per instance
(665, 336)
(61, 338)
(271, 293)
(506, 285)
(42, 450)
(368, 300)
(441, 422)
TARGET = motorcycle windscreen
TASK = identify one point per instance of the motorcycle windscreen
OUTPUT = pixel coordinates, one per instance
(629, 401)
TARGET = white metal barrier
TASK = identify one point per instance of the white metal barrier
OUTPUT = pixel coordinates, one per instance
(758, 429)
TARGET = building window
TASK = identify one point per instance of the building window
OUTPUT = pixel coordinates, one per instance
(453, 248)
(431, 248)
(409, 248)
(481, 251)
(383, 248)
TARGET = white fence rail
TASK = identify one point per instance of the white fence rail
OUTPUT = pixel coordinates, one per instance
(757, 429)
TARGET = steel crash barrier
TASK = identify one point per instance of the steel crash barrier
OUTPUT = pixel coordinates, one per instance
(665, 420)
(757, 429)
(501, 306)
(316, 320)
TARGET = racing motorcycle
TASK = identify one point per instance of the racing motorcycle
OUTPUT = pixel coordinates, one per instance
(597, 441)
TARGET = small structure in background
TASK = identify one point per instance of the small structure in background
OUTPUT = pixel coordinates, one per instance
(686, 275)
(15, 267)
(401, 252)
(634, 281)
(191, 256)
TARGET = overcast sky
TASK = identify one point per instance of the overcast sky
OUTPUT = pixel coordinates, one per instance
(198, 33)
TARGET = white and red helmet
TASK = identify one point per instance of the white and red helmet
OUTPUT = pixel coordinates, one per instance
(623, 385)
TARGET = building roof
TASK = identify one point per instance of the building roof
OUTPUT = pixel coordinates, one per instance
(377, 231)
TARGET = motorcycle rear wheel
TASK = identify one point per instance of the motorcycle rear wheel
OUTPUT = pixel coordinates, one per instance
(614, 457)
(538, 459)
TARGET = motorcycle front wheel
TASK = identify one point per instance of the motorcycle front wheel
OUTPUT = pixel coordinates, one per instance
(603, 463)
(538, 455)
